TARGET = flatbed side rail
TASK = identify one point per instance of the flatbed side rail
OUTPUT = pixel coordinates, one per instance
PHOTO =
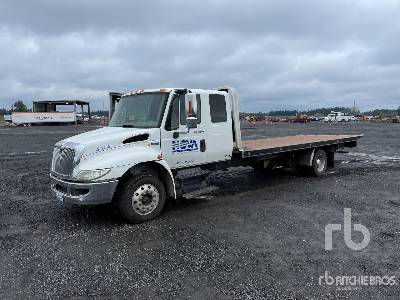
(348, 142)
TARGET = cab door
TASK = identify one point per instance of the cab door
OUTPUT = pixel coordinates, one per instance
(179, 147)
(217, 117)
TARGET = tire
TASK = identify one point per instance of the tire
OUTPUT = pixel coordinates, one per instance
(319, 163)
(142, 198)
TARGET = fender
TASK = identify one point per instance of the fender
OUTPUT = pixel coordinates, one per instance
(306, 158)
(159, 168)
(168, 178)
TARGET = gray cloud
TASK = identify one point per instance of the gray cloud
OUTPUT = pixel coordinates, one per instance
(278, 54)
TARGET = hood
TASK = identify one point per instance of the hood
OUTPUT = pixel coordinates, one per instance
(108, 138)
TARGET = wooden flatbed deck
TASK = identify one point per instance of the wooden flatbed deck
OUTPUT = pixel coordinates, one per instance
(276, 145)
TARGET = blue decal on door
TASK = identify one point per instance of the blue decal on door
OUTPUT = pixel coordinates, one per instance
(186, 145)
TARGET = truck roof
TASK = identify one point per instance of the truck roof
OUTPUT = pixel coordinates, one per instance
(167, 90)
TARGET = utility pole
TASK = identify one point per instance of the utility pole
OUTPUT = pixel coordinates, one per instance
(103, 117)
(355, 110)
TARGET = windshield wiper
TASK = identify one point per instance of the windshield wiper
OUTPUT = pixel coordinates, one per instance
(127, 126)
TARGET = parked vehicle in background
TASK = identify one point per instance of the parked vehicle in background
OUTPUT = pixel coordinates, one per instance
(82, 118)
(315, 118)
(299, 119)
(372, 118)
(156, 140)
(8, 119)
(339, 117)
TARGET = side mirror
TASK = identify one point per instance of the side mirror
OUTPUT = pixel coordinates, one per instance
(191, 110)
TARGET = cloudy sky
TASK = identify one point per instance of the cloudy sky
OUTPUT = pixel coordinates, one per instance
(278, 54)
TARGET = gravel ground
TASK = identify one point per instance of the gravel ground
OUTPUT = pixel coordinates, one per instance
(257, 236)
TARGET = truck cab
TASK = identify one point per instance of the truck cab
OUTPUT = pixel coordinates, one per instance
(152, 134)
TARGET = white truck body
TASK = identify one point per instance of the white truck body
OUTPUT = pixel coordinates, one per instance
(156, 133)
(42, 117)
(339, 117)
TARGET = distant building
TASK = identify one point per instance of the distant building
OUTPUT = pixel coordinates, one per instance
(49, 111)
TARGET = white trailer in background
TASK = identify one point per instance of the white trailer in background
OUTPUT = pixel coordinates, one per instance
(50, 112)
(29, 118)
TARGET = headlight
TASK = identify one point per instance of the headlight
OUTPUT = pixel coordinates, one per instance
(87, 175)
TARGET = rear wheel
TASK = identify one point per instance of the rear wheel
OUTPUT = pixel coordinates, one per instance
(319, 163)
(142, 198)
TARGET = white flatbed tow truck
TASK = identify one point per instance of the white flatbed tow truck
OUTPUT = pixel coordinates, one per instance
(156, 134)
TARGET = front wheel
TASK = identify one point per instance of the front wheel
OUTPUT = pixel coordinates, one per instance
(142, 198)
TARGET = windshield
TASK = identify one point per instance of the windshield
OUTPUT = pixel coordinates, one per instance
(140, 110)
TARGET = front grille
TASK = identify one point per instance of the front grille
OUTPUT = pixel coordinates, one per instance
(63, 161)
(61, 188)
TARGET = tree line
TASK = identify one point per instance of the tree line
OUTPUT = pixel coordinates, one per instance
(18, 106)
(326, 111)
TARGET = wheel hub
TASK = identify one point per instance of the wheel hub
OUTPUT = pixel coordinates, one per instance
(321, 162)
(145, 199)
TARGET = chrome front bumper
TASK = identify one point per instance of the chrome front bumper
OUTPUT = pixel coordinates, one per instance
(89, 193)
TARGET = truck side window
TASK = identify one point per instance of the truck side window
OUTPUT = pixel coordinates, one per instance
(172, 122)
(183, 116)
(217, 108)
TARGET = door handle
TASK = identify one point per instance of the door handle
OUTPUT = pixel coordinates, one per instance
(176, 134)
